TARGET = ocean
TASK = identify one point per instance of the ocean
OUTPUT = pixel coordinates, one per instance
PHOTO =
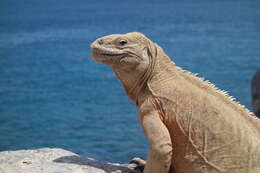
(52, 94)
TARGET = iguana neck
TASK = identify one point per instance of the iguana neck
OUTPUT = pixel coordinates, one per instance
(132, 85)
(133, 82)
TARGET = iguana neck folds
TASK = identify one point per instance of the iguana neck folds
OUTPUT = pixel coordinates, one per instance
(133, 87)
(145, 77)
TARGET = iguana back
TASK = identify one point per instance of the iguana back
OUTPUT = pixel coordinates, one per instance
(210, 132)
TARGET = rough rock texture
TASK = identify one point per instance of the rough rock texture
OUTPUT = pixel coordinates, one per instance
(256, 93)
(54, 160)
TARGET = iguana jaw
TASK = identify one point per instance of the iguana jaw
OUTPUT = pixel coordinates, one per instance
(105, 55)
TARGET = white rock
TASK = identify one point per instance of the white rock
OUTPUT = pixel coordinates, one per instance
(54, 160)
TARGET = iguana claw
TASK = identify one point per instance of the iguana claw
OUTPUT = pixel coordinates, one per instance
(140, 164)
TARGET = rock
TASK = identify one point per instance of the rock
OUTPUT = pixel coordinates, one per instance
(256, 93)
(54, 160)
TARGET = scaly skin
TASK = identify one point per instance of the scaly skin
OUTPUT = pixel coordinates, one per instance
(191, 126)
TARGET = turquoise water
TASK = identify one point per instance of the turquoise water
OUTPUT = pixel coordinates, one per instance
(53, 95)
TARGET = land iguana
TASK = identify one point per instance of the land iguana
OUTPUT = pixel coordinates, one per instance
(191, 126)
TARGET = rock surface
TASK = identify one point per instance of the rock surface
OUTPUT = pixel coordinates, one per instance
(54, 160)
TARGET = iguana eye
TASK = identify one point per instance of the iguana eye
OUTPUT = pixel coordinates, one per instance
(122, 42)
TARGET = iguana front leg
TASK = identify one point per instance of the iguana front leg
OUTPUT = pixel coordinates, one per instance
(160, 155)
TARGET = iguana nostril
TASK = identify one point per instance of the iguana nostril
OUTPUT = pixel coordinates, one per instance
(100, 41)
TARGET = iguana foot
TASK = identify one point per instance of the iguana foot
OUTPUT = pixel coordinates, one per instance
(140, 164)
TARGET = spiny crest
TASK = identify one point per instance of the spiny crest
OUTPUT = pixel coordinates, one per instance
(221, 92)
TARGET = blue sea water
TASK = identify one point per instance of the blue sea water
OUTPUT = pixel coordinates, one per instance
(53, 95)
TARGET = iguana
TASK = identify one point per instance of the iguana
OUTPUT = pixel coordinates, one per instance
(191, 126)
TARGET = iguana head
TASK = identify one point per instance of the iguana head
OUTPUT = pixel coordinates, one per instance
(132, 57)
(123, 51)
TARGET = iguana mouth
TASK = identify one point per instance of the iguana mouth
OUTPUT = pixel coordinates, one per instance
(106, 56)
(106, 52)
